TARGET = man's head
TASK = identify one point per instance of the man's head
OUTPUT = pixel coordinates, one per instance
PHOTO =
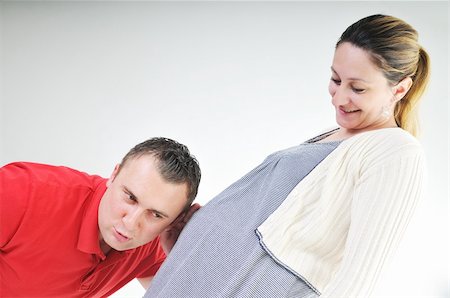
(155, 182)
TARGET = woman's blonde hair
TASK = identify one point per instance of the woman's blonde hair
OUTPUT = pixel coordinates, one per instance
(394, 48)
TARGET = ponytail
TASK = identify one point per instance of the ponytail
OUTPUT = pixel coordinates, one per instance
(406, 110)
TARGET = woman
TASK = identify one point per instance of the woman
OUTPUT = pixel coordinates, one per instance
(321, 218)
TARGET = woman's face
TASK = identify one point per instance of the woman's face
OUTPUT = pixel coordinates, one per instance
(361, 95)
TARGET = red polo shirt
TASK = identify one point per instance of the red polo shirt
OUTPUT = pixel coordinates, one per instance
(49, 236)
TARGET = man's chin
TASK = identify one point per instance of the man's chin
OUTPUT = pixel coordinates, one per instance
(121, 247)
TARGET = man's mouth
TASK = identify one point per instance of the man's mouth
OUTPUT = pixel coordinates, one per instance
(120, 237)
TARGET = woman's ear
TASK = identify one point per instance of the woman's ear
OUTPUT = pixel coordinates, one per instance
(402, 88)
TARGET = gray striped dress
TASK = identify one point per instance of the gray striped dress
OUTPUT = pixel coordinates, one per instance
(218, 253)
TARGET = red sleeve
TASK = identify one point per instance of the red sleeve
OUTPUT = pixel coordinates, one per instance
(14, 190)
(150, 265)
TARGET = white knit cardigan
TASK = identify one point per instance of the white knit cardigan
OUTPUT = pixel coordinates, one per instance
(340, 224)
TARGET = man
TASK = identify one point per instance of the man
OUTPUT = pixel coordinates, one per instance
(65, 233)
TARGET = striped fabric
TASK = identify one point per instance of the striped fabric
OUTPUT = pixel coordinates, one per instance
(219, 254)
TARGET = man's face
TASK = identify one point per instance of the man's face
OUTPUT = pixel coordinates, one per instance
(138, 204)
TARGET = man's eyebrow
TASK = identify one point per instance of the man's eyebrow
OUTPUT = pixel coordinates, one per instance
(126, 189)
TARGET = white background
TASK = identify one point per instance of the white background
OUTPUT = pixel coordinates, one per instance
(83, 82)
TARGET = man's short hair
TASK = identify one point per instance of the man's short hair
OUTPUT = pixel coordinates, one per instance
(175, 162)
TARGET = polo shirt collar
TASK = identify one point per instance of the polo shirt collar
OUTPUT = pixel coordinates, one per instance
(88, 239)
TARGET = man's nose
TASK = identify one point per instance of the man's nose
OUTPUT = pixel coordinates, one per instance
(132, 219)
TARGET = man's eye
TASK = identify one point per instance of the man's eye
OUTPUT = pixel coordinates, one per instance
(156, 215)
(130, 197)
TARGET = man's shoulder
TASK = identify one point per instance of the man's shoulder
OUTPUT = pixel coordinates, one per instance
(26, 183)
(46, 173)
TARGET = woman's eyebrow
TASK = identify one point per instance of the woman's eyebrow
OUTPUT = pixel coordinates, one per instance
(350, 79)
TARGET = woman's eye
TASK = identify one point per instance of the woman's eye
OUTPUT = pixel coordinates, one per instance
(336, 81)
(357, 90)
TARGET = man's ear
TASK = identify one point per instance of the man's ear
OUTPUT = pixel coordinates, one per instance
(402, 88)
(113, 175)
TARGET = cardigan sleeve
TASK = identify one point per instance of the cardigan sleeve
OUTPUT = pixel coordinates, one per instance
(383, 201)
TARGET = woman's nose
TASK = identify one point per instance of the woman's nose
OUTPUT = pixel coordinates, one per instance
(339, 96)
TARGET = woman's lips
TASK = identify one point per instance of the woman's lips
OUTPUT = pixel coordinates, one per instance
(348, 111)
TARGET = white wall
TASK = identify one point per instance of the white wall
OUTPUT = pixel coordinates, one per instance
(83, 82)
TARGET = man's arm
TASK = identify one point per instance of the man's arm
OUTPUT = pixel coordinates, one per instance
(14, 191)
(145, 281)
